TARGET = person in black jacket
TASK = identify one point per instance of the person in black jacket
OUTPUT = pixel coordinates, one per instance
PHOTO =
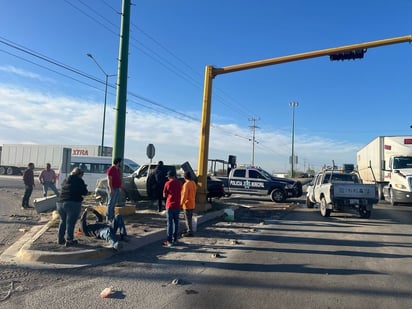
(159, 175)
(69, 206)
(28, 179)
(101, 230)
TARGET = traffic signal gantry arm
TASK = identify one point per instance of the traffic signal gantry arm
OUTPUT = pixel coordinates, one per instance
(336, 53)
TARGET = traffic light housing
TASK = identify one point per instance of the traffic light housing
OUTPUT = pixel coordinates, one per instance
(352, 54)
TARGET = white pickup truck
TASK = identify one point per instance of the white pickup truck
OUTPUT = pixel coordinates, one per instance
(336, 190)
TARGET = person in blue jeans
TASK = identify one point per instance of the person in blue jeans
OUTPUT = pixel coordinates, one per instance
(114, 183)
(104, 231)
(69, 206)
(171, 193)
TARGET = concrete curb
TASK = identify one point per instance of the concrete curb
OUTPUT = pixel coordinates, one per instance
(20, 253)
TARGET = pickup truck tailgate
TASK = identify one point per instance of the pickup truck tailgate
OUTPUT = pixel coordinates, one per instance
(355, 191)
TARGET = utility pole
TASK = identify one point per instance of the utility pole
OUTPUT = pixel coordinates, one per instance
(292, 159)
(121, 91)
(253, 128)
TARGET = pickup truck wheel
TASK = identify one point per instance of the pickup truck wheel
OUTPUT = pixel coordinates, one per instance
(324, 211)
(309, 204)
(102, 200)
(364, 213)
(278, 196)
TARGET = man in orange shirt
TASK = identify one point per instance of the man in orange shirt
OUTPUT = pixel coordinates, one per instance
(188, 197)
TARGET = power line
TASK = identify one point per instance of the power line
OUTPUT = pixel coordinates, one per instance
(177, 70)
(91, 17)
(88, 76)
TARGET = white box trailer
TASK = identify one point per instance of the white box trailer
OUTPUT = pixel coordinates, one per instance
(15, 157)
(387, 161)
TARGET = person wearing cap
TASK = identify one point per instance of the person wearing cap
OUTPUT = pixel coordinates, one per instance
(188, 197)
(172, 193)
(69, 206)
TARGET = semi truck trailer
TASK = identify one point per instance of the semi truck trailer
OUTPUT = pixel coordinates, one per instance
(387, 161)
(15, 157)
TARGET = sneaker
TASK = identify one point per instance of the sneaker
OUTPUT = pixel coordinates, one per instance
(187, 234)
(70, 243)
(117, 246)
(125, 238)
(168, 243)
(61, 241)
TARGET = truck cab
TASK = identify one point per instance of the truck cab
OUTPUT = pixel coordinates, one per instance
(398, 179)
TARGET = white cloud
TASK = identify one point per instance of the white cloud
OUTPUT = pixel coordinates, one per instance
(23, 73)
(34, 117)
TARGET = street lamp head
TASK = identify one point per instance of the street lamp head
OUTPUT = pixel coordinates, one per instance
(89, 55)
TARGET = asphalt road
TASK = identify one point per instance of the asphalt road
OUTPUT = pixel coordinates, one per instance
(265, 259)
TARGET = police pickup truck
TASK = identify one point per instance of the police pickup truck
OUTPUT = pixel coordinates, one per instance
(136, 187)
(256, 181)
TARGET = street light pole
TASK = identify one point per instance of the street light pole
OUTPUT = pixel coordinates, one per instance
(292, 161)
(105, 100)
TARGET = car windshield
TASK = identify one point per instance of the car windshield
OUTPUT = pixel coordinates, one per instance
(402, 162)
(264, 173)
(336, 177)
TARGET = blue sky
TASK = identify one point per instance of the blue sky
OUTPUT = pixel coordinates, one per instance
(342, 105)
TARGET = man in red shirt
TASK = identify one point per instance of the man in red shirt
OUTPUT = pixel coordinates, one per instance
(171, 193)
(114, 182)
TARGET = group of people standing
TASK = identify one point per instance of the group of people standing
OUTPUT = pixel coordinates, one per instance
(69, 208)
(69, 204)
(47, 179)
(165, 186)
(179, 196)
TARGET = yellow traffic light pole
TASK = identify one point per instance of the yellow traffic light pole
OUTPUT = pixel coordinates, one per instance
(312, 54)
(211, 72)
